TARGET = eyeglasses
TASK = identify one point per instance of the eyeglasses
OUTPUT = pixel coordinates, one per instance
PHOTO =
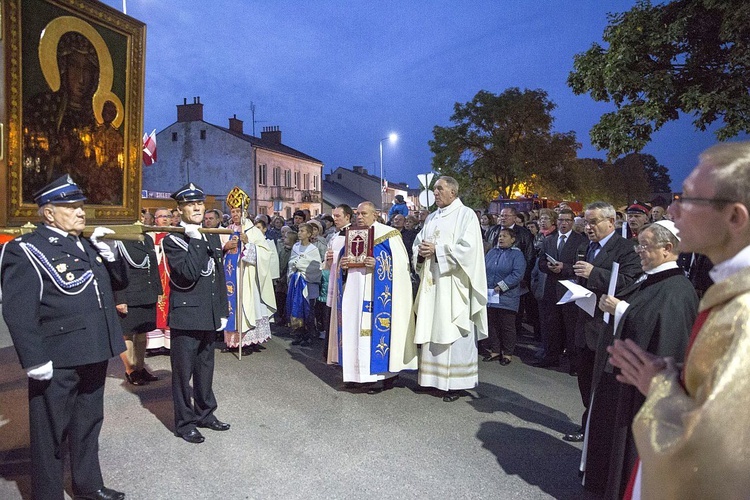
(564, 220)
(644, 248)
(709, 201)
(163, 217)
(594, 222)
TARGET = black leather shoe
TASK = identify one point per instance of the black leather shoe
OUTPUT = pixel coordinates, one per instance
(145, 375)
(492, 357)
(194, 436)
(451, 397)
(135, 378)
(505, 360)
(102, 494)
(575, 437)
(298, 340)
(215, 426)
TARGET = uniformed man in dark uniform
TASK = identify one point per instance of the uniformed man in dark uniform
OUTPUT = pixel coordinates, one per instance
(59, 307)
(198, 308)
(137, 305)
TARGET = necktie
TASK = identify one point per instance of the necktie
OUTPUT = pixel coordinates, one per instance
(560, 243)
(591, 254)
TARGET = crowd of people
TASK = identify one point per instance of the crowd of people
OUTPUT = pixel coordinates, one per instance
(384, 292)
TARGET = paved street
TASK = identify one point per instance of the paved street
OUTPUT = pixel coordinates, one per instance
(297, 433)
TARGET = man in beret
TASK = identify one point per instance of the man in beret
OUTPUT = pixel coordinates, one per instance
(198, 308)
(59, 306)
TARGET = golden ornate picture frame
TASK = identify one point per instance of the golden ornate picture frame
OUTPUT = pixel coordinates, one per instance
(73, 96)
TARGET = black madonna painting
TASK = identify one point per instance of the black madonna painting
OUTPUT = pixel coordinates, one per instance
(81, 73)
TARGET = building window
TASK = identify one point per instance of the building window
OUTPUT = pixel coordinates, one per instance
(339, 176)
(262, 210)
(277, 176)
(174, 136)
(288, 211)
(262, 174)
(203, 134)
(315, 183)
(306, 182)
(287, 178)
(296, 180)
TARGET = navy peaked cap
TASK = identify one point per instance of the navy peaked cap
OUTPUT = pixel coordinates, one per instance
(62, 190)
(187, 193)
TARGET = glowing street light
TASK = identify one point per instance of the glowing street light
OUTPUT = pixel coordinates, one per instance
(393, 138)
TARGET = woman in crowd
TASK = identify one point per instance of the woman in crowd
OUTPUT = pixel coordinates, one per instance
(505, 266)
(304, 283)
(486, 222)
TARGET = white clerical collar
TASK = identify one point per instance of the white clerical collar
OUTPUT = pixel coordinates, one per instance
(672, 264)
(725, 269)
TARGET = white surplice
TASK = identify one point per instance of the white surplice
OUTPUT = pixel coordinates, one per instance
(451, 301)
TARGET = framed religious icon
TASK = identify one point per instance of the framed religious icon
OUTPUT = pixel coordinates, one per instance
(359, 243)
(73, 96)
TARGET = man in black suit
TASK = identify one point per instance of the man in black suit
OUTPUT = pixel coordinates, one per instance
(198, 308)
(559, 321)
(605, 248)
(60, 310)
(137, 305)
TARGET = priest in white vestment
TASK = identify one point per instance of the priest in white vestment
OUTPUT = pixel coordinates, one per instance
(451, 301)
(376, 334)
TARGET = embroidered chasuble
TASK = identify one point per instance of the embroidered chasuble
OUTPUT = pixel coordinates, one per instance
(375, 339)
(693, 440)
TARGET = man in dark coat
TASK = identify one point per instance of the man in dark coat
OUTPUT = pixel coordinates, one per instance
(136, 305)
(60, 310)
(657, 312)
(198, 308)
(559, 321)
(605, 248)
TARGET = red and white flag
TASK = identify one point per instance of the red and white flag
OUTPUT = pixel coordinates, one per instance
(149, 148)
(385, 185)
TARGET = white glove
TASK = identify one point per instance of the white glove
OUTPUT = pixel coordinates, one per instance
(192, 231)
(223, 324)
(40, 372)
(104, 250)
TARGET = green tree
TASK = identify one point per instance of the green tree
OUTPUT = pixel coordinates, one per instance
(627, 180)
(685, 56)
(500, 142)
(657, 175)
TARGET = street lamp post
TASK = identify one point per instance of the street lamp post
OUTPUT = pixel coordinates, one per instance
(393, 138)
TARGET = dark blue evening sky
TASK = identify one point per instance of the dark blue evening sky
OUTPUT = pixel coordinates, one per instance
(337, 76)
